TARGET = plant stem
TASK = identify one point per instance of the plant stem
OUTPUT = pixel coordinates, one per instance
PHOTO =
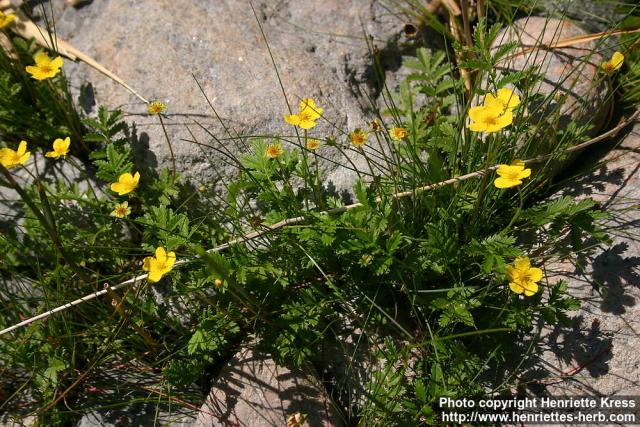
(166, 135)
(516, 215)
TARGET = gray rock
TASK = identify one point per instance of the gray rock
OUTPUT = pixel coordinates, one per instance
(573, 87)
(593, 15)
(159, 46)
(599, 355)
(254, 391)
(138, 415)
(47, 170)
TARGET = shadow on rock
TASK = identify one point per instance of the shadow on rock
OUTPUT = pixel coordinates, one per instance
(613, 271)
(585, 345)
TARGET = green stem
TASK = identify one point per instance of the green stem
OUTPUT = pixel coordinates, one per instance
(518, 211)
(166, 135)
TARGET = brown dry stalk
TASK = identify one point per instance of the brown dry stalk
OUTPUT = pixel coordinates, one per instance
(24, 27)
(291, 221)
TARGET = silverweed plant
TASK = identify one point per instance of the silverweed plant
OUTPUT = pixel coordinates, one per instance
(435, 260)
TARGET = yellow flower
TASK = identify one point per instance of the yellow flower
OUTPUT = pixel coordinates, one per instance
(296, 420)
(313, 144)
(273, 151)
(45, 67)
(126, 183)
(60, 148)
(159, 265)
(511, 175)
(156, 107)
(489, 118)
(218, 282)
(505, 98)
(522, 277)
(358, 137)
(614, 63)
(307, 115)
(121, 210)
(375, 126)
(6, 19)
(11, 158)
(398, 133)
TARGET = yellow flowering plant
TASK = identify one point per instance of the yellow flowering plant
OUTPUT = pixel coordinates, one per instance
(495, 113)
(398, 133)
(313, 144)
(60, 148)
(121, 210)
(126, 183)
(32, 109)
(489, 118)
(159, 264)
(156, 107)
(273, 151)
(12, 158)
(307, 115)
(613, 64)
(292, 253)
(6, 19)
(45, 67)
(511, 175)
(358, 138)
(523, 278)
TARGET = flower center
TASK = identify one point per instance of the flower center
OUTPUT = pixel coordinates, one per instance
(523, 277)
(305, 115)
(513, 175)
(273, 151)
(46, 69)
(490, 120)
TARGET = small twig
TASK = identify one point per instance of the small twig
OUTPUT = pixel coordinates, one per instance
(290, 221)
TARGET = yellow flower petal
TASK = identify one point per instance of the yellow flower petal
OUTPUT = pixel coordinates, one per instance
(42, 58)
(508, 98)
(617, 60)
(159, 265)
(292, 119)
(6, 19)
(22, 148)
(522, 263)
(477, 113)
(535, 274)
(307, 124)
(515, 287)
(171, 260)
(526, 173)
(57, 62)
(530, 288)
(502, 183)
(161, 254)
(154, 276)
